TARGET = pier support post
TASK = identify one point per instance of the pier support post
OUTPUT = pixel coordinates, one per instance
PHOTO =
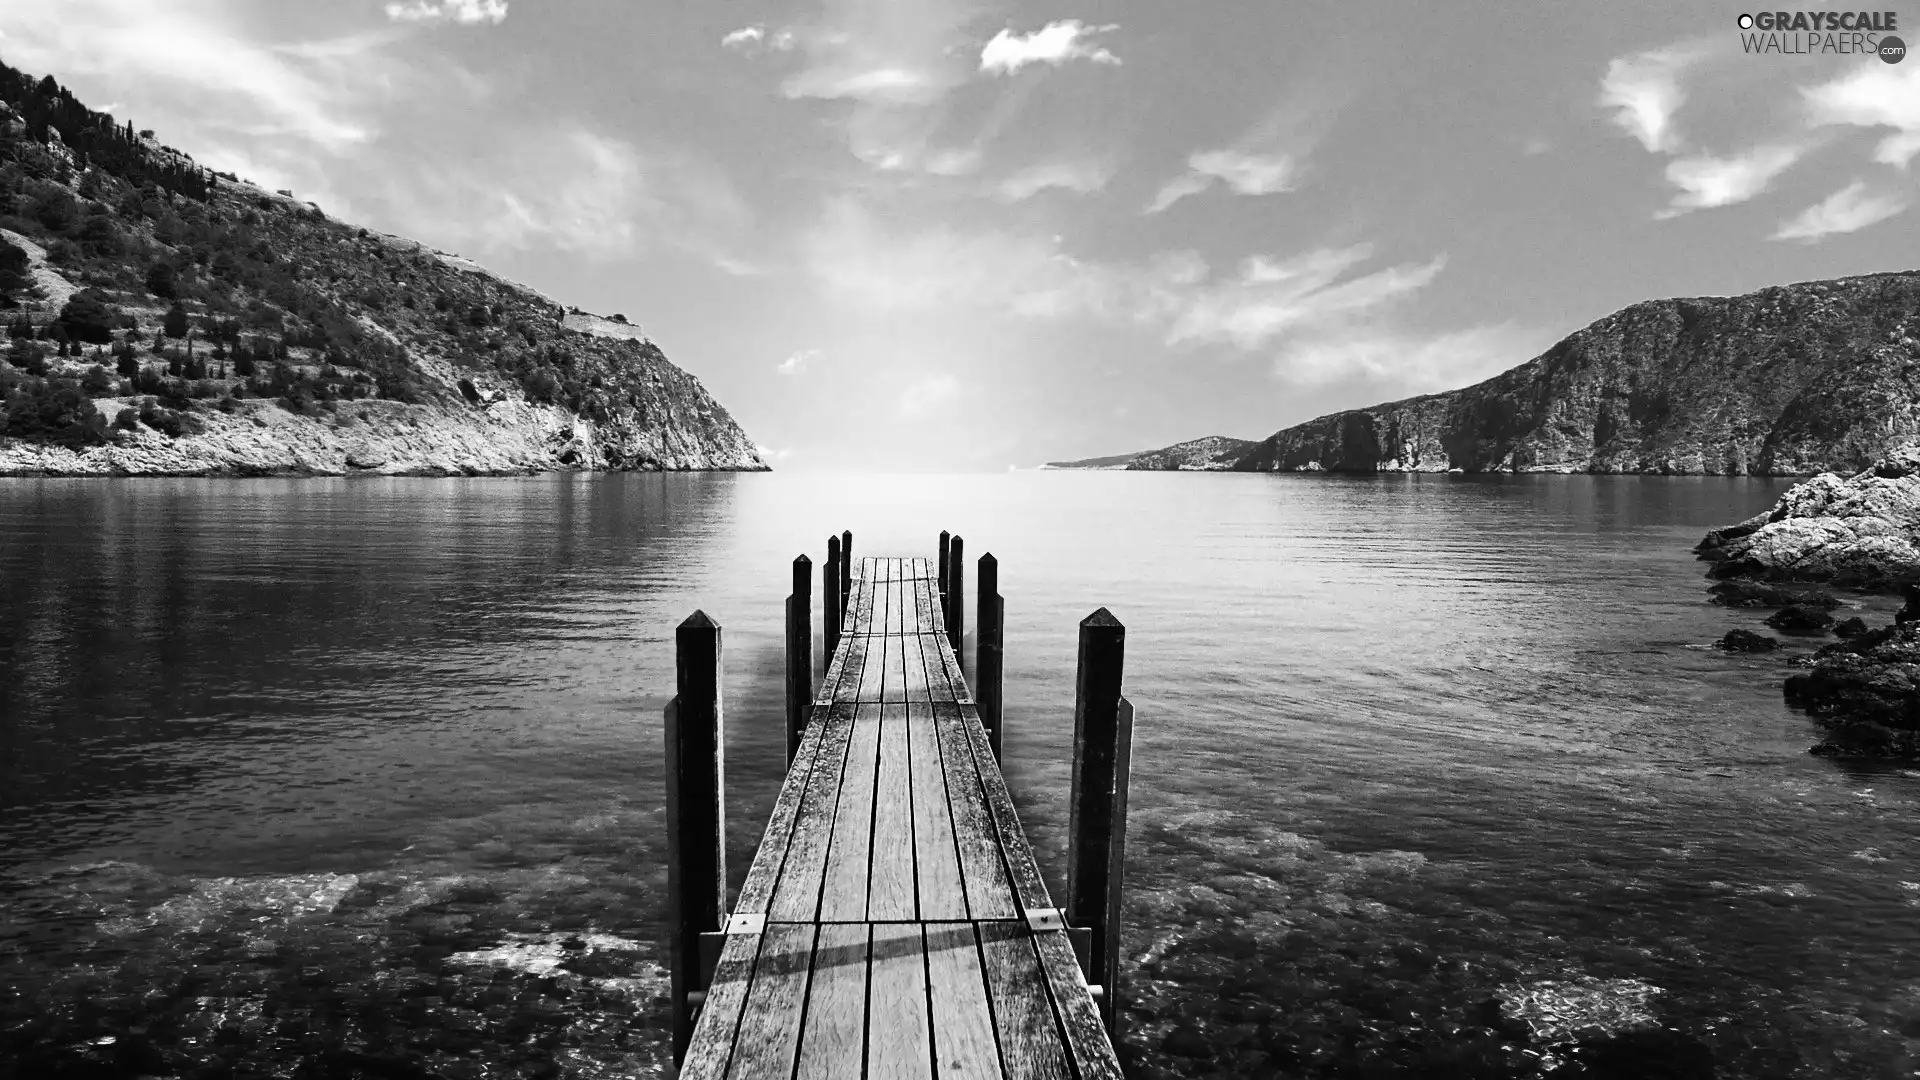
(799, 654)
(696, 816)
(988, 651)
(956, 596)
(1097, 836)
(830, 594)
(946, 542)
(846, 572)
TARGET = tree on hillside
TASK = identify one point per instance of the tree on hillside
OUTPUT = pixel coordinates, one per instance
(175, 325)
(87, 318)
(14, 271)
(161, 281)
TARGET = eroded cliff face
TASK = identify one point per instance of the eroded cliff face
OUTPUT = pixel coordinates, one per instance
(1791, 380)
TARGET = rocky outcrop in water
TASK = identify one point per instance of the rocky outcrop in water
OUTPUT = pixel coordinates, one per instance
(1865, 691)
(1788, 381)
(165, 319)
(1859, 531)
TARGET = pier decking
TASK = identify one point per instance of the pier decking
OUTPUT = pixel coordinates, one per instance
(894, 922)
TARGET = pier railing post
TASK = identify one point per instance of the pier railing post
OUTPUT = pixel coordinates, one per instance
(988, 651)
(1097, 832)
(799, 654)
(696, 816)
(956, 596)
(846, 572)
(946, 542)
(830, 594)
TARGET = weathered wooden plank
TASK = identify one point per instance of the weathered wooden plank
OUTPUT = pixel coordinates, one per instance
(1030, 1037)
(769, 1035)
(890, 890)
(938, 882)
(1022, 871)
(833, 1045)
(892, 597)
(843, 894)
(874, 677)
(792, 892)
(942, 663)
(1079, 1018)
(977, 844)
(899, 1042)
(719, 1018)
(927, 595)
(963, 1039)
(843, 677)
(777, 841)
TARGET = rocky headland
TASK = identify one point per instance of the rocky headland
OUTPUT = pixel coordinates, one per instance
(164, 319)
(1858, 532)
(1787, 381)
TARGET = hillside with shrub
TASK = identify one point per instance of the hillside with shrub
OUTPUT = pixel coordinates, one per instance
(163, 318)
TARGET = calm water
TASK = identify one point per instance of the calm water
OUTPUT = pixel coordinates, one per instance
(336, 778)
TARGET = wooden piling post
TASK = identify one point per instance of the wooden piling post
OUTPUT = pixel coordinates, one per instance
(799, 654)
(988, 650)
(946, 541)
(956, 596)
(1097, 836)
(696, 816)
(830, 594)
(846, 571)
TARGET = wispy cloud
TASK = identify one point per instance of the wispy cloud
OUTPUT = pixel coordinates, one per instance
(1848, 210)
(1242, 171)
(1081, 177)
(863, 264)
(795, 364)
(1873, 96)
(924, 394)
(1644, 91)
(1053, 44)
(743, 37)
(1706, 181)
(1415, 363)
(464, 12)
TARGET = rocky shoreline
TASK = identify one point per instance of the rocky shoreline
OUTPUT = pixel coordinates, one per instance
(1854, 532)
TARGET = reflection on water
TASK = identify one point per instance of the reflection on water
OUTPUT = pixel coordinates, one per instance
(362, 777)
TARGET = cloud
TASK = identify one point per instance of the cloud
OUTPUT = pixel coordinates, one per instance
(1245, 172)
(1644, 92)
(860, 263)
(1416, 363)
(1847, 210)
(1270, 297)
(795, 364)
(1706, 182)
(924, 394)
(744, 37)
(464, 12)
(1055, 44)
(1873, 96)
(1081, 177)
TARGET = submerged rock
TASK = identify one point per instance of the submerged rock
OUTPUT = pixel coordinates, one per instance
(1852, 627)
(1744, 593)
(1747, 641)
(1797, 619)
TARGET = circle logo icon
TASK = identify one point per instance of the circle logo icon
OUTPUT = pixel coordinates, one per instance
(1892, 50)
(1746, 22)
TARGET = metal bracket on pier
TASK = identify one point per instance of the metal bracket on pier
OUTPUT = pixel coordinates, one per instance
(1045, 919)
(742, 922)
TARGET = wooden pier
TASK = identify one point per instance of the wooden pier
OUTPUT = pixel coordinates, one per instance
(894, 922)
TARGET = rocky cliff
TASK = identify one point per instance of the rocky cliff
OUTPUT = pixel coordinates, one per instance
(164, 319)
(1790, 380)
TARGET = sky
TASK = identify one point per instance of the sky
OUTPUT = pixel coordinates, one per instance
(961, 234)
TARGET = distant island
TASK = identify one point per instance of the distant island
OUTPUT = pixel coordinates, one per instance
(164, 319)
(1791, 380)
